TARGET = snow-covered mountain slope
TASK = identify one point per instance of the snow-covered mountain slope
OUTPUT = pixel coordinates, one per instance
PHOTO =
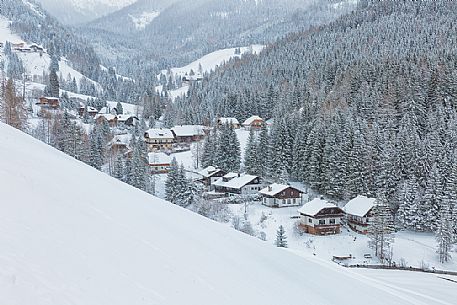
(35, 63)
(79, 11)
(212, 60)
(72, 235)
(207, 63)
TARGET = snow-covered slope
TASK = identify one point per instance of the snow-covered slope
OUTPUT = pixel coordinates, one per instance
(212, 60)
(72, 235)
(35, 63)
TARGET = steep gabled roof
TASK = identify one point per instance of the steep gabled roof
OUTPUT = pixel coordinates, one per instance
(359, 206)
(316, 205)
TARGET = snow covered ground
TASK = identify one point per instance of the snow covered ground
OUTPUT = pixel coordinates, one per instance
(34, 63)
(5, 32)
(212, 60)
(416, 249)
(72, 235)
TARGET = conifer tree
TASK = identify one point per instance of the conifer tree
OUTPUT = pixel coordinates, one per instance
(171, 182)
(251, 162)
(281, 238)
(380, 229)
(444, 233)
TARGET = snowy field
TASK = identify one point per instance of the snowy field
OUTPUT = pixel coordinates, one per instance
(416, 249)
(72, 235)
(212, 60)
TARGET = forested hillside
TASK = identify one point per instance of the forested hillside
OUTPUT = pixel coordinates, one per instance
(365, 105)
(35, 25)
(172, 33)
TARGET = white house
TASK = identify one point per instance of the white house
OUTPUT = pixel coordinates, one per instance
(188, 133)
(281, 195)
(159, 162)
(319, 217)
(238, 184)
(159, 139)
(358, 213)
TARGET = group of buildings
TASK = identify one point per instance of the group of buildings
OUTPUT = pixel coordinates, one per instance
(318, 216)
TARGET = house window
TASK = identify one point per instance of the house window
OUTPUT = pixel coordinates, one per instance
(310, 220)
(332, 221)
(294, 200)
(322, 221)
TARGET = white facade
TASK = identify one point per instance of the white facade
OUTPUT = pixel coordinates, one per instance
(275, 202)
(312, 222)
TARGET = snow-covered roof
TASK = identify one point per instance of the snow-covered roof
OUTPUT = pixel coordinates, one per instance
(159, 158)
(107, 116)
(252, 119)
(231, 175)
(160, 133)
(125, 117)
(121, 139)
(229, 121)
(209, 171)
(359, 206)
(274, 189)
(188, 130)
(236, 182)
(315, 206)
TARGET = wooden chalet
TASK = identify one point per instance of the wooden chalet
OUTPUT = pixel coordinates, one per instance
(159, 139)
(319, 217)
(91, 111)
(210, 175)
(237, 184)
(281, 195)
(359, 213)
(254, 122)
(36, 48)
(49, 102)
(127, 119)
(188, 133)
(159, 162)
(233, 122)
(110, 118)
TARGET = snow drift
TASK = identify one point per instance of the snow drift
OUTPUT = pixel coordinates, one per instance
(72, 235)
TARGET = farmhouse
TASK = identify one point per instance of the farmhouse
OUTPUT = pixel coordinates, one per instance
(237, 184)
(319, 217)
(50, 102)
(36, 48)
(127, 119)
(358, 213)
(188, 133)
(210, 175)
(159, 162)
(281, 195)
(233, 122)
(91, 111)
(110, 118)
(159, 139)
(254, 122)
